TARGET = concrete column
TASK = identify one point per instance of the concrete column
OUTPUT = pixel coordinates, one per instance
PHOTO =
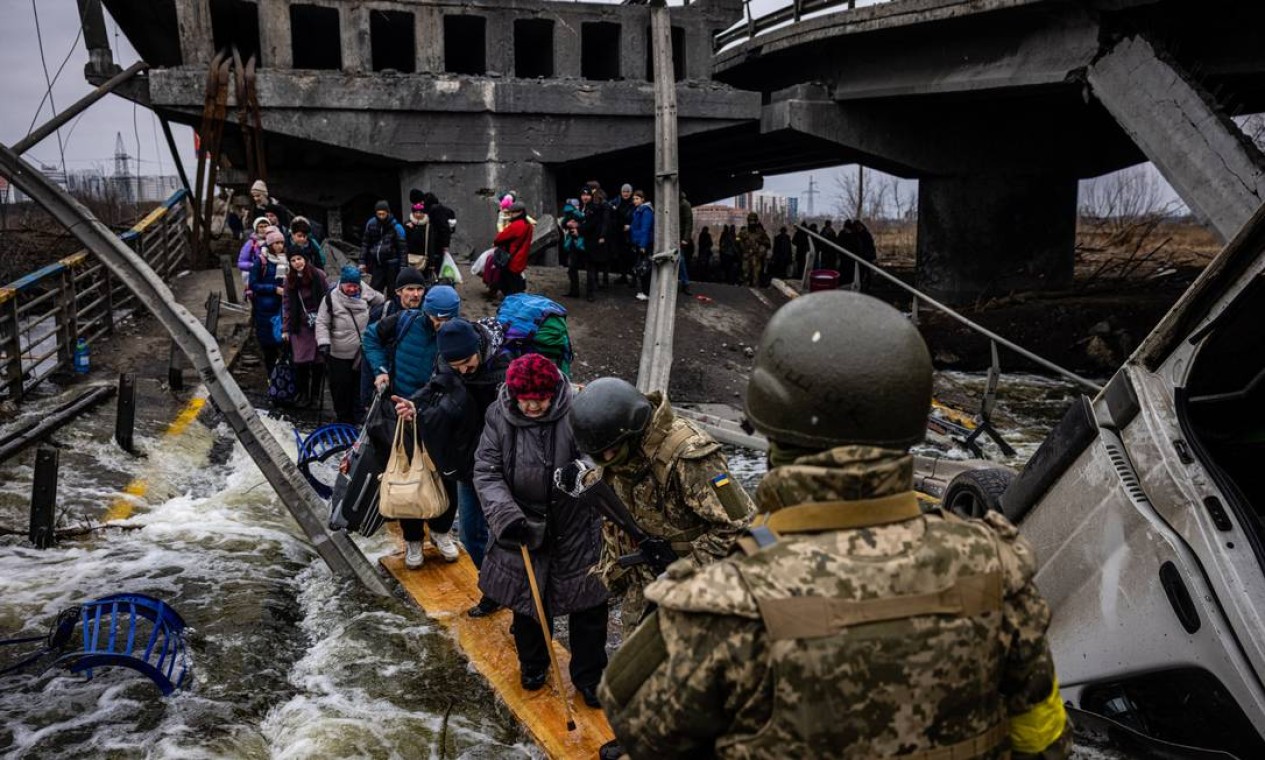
(499, 37)
(632, 48)
(429, 24)
(1203, 155)
(353, 23)
(274, 34)
(197, 45)
(566, 46)
(988, 235)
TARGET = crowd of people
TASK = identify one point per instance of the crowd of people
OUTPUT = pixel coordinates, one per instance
(739, 631)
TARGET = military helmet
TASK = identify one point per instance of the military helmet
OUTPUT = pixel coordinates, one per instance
(836, 368)
(606, 413)
(753, 218)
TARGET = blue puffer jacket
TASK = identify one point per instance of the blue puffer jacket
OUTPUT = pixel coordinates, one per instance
(265, 302)
(409, 358)
(642, 228)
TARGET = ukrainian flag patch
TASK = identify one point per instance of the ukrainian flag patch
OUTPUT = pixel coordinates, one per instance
(721, 480)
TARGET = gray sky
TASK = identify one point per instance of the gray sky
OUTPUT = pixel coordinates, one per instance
(89, 142)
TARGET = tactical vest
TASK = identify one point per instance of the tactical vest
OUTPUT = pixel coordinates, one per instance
(896, 656)
(649, 485)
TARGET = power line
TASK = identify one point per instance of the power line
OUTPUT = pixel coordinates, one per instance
(56, 76)
(61, 149)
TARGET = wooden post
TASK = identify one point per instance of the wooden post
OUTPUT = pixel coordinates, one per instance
(44, 498)
(230, 278)
(656, 345)
(125, 417)
(212, 321)
(175, 368)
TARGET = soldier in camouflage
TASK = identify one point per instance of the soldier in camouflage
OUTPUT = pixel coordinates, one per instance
(671, 476)
(852, 624)
(753, 246)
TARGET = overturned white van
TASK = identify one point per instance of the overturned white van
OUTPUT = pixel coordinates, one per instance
(1146, 506)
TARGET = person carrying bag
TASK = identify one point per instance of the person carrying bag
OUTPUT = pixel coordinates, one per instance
(411, 488)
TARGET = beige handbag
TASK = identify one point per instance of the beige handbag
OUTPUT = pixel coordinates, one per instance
(414, 489)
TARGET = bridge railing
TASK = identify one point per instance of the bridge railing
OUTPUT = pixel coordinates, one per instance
(44, 314)
(794, 12)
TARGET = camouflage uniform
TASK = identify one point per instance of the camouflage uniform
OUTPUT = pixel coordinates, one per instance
(889, 637)
(753, 246)
(676, 485)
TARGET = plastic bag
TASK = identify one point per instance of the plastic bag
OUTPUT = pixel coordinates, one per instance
(476, 268)
(449, 269)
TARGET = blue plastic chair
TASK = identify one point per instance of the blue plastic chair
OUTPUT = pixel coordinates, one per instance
(324, 442)
(132, 631)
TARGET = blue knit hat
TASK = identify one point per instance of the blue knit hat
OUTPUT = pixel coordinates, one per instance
(441, 302)
(349, 273)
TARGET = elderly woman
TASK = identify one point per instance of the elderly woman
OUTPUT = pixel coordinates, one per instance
(526, 435)
(305, 286)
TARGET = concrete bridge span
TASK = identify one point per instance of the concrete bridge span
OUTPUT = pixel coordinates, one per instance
(999, 107)
(365, 100)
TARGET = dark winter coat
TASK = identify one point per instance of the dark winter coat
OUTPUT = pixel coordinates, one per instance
(452, 407)
(781, 254)
(383, 244)
(441, 229)
(573, 537)
(265, 302)
(597, 225)
(301, 296)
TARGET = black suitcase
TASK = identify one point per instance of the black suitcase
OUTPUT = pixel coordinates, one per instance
(354, 502)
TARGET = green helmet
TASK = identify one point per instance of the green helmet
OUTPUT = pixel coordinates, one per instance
(608, 412)
(753, 218)
(837, 368)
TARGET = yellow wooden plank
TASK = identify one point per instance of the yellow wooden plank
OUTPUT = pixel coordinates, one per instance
(75, 259)
(445, 590)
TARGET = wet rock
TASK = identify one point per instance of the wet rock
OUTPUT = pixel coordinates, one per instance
(1101, 328)
(945, 356)
(749, 352)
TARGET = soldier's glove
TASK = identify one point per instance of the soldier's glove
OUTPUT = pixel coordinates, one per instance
(570, 478)
(658, 552)
(664, 256)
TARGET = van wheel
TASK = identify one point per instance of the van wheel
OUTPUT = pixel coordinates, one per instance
(975, 492)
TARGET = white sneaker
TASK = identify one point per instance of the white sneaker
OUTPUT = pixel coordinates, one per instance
(446, 546)
(643, 297)
(413, 557)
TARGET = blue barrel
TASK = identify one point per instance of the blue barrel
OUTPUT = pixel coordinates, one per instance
(82, 358)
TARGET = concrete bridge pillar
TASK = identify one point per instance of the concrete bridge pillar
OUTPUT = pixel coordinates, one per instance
(987, 235)
(471, 189)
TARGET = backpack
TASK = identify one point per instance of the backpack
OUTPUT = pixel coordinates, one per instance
(535, 324)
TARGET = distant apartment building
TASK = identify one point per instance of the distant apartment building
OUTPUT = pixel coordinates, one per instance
(765, 204)
(714, 216)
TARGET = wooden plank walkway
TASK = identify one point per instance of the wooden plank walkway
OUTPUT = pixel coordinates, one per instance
(445, 590)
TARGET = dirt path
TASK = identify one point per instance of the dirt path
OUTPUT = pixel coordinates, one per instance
(714, 329)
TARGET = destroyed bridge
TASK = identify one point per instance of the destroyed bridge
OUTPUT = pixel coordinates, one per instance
(997, 107)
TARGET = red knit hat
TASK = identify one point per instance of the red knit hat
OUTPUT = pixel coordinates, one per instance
(532, 376)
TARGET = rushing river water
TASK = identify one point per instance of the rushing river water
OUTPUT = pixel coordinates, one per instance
(288, 662)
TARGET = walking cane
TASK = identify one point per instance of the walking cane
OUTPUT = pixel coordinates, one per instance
(544, 628)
